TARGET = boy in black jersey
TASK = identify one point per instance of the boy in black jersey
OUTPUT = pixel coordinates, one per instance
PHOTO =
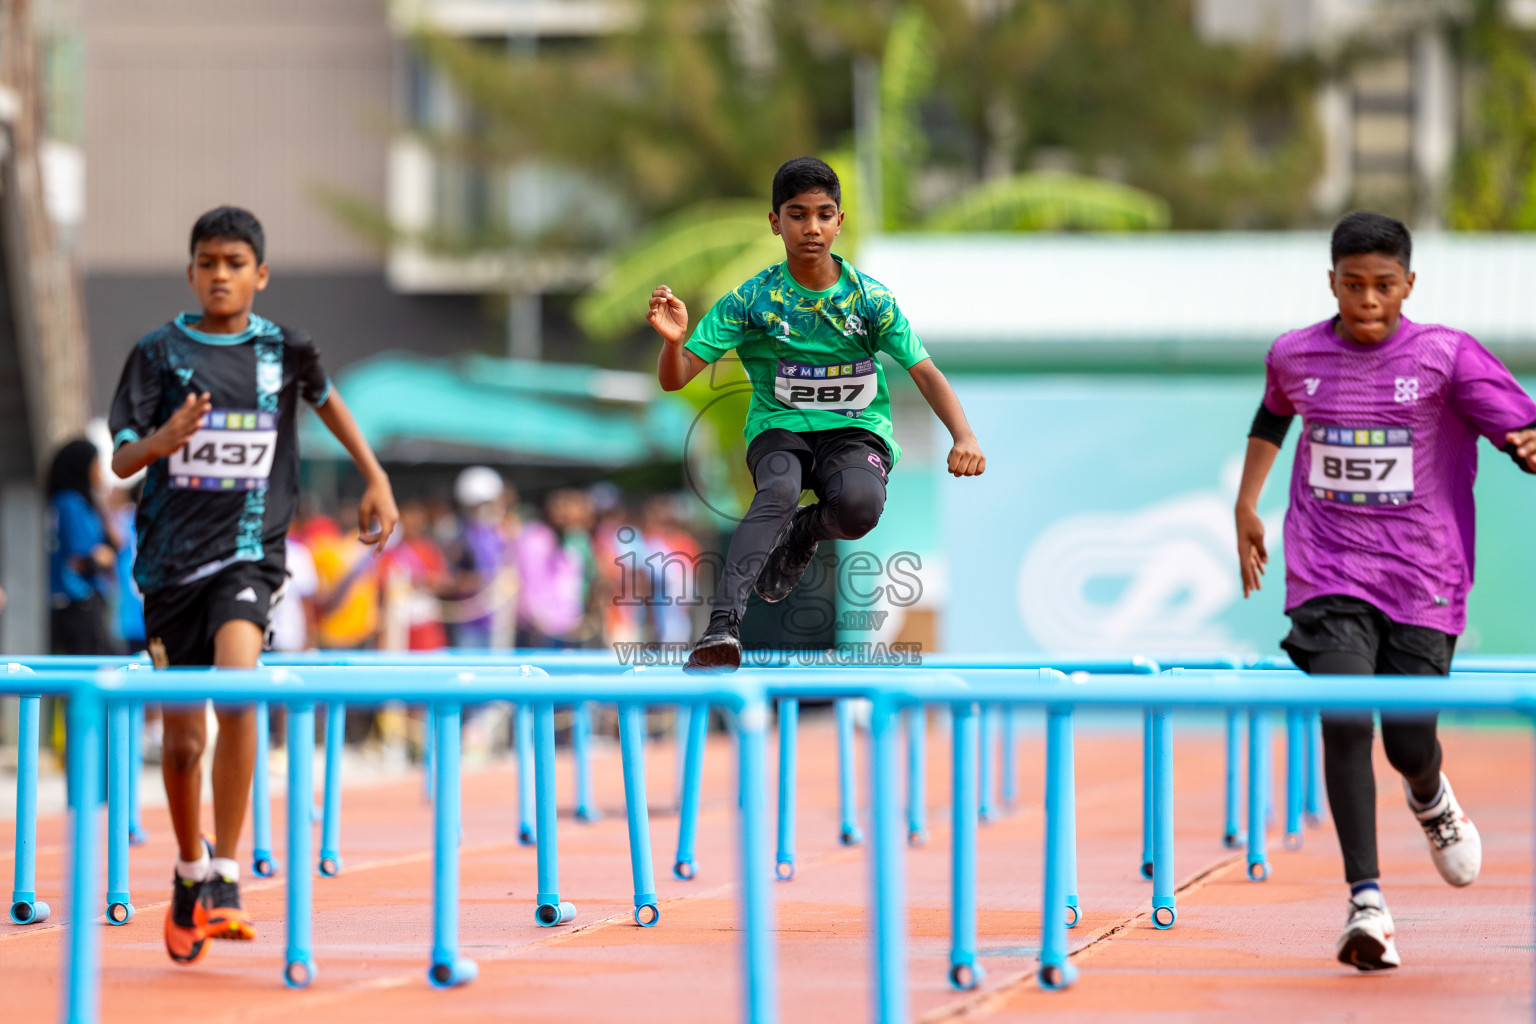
(208, 403)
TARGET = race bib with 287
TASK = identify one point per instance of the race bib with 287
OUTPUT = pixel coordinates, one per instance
(837, 387)
(232, 450)
(1361, 465)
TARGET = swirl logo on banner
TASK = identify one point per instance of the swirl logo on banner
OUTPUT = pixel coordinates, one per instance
(1152, 580)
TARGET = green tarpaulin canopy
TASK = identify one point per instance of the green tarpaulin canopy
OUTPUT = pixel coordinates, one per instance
(418, 409)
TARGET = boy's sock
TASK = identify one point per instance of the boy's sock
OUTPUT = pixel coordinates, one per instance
(1423, 805)
(225, 868)
(194, 870)
(1361, 886)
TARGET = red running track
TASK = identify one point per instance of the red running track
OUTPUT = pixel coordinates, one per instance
(1240, 950)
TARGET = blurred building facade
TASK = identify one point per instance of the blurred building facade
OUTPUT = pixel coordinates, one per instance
(43, 358)
(1389, 111)
(431, 193)
(276, 106)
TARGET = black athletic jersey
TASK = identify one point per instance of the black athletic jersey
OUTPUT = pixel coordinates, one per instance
(227, 495)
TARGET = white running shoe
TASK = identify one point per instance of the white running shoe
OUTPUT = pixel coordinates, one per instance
(1366, 942)
(1454, 844)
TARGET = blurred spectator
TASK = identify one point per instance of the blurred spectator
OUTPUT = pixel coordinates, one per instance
(672, 558)
(82, 552)
(620, 577)
(294, 618)
(130, 603)
(484, 562)
(348, 599)
(554, 556)
(415, 579)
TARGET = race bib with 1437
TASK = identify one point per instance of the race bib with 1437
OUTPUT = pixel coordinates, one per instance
(232, 451)
(839, 387)
(1361, 465)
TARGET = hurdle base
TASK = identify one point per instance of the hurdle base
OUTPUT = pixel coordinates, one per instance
(120, 908)
(1055, 977)
(447, 973)
(553, 911)
(26, 908)
(299, 972)
(966, 975)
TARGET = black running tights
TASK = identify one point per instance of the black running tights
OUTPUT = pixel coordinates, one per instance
(1411, 747)
(852, 502)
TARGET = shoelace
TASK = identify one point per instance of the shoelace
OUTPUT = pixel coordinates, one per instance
(1442, 829)
(220, 893)
(1363, 911)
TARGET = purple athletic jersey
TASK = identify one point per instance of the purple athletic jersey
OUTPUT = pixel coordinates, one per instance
(1381, 492)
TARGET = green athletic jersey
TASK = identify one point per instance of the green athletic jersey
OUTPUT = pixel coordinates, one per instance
(811, 356)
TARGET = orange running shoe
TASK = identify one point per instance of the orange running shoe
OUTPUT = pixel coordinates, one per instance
(226, 918)
(186, 922)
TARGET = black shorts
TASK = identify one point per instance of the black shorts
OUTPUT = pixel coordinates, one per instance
(180, 621)
(823, 453)
(1334, 622)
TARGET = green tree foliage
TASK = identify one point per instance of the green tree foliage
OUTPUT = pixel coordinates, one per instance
(1051, 202)
(668, 115)
(1494, 188)
(664, 113)
(1126, 89)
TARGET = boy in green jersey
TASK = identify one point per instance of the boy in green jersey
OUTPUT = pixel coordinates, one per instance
(807, 332)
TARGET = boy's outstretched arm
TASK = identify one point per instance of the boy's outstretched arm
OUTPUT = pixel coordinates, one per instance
(965, 457)
(1251, 554)
(676, 366)
(128, 459)
(378, 501)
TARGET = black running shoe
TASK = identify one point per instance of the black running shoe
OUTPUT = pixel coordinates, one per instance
(719, 649)
(792, 552)
(186, 922)
(227, 919)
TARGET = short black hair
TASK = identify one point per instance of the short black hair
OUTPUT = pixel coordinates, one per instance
(1364, 232)
(233, 223)
(805, 174)
(71, 468)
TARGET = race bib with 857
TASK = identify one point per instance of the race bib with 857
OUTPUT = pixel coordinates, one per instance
(1361, 465)
(232, 451)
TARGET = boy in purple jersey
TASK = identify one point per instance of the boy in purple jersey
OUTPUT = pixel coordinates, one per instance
(1379, 535)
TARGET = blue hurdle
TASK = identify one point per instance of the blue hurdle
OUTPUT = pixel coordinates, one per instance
(94, 698)
(848, 832)
(26, 908)
(1260, 692)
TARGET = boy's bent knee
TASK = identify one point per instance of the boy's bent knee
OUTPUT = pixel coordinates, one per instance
(856, 503)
